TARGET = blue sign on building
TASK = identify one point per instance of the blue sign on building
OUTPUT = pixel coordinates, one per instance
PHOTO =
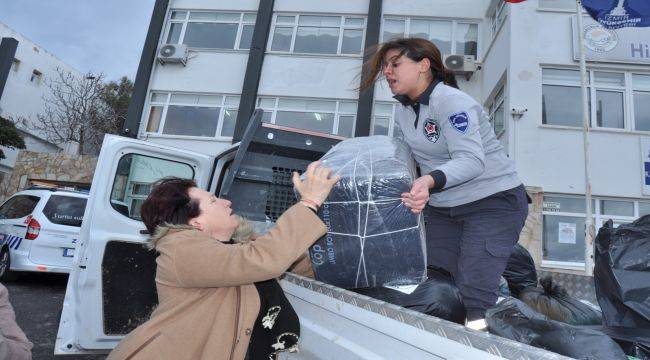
(615, 14)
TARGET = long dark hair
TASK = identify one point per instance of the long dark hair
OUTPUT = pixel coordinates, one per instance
(169, 202)
(415, 49)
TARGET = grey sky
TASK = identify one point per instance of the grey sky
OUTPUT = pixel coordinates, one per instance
(91, 35)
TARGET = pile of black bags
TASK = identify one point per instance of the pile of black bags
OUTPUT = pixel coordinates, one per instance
(515, 320)
(553, 301)
(622, 273)
(622, 278)
(520, 272)
(547, 317)
(634, 342)
(438, 296)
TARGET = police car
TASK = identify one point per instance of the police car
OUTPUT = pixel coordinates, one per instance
(39, 228)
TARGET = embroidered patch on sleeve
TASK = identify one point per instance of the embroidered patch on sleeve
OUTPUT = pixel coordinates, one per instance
(460, 121)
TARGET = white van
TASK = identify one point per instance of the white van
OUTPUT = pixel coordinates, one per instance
(39, 228)
(111, 289)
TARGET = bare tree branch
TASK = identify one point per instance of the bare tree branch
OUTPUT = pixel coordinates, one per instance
(73, 108)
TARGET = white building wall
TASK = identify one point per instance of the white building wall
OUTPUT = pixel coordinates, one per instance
(552, 157)
(248, 5)
(495, 60)
(22, 98)
(310, 76)
(206, 72)
(456, 9)
(290, 75)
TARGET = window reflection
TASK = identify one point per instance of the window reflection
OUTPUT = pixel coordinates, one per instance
(133, 179)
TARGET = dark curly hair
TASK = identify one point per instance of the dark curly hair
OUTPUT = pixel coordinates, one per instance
(169, 202)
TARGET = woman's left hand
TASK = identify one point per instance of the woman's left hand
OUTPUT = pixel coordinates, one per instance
(418, 197)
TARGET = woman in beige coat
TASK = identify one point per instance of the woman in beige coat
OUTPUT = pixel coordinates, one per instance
(219, 299)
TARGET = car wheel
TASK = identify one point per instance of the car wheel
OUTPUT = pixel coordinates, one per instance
(5, 262)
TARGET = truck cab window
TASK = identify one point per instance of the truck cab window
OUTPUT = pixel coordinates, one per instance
(134, 177)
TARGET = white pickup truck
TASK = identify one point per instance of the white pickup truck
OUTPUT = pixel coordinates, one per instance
(111, 287)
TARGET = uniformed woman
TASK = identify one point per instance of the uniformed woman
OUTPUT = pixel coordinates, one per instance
(477, 204)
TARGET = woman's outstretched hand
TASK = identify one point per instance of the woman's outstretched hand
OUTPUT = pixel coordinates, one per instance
(417, 198)
(317, 184)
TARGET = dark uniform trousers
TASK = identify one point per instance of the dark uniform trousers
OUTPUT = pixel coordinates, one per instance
(473, 242)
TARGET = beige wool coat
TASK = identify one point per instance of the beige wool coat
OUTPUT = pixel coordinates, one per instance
(208, 302)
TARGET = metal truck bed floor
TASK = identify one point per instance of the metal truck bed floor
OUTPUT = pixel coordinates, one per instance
(340, 324)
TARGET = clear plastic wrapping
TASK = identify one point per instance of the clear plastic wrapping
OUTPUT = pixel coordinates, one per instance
(373, 239)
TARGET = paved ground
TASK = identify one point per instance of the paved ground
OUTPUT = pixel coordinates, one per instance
(37, 300)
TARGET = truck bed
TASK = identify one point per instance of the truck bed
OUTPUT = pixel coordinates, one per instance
(340, 324)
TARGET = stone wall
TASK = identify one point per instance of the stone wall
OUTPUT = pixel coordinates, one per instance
(531, 234)
(56, 169)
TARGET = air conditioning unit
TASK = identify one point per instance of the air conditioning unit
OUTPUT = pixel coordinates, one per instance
(173, 53)
(461, 64)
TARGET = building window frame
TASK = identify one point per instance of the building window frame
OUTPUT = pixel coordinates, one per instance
(137, 197)
(163, 100)
(627, 91)
(560, 83)
(182, 18)
(599, 221)
(636, 89)
(596, 87)
(15, 64)
(497, 17)
(393, 127)
(453, 33)
(342, 26)
(36, 77)
(271, 105)
(497, 103)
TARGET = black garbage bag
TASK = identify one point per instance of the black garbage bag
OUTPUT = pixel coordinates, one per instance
(513, 319)
(553, 301)
(520, 272)
(622, 273)
(438, 296)
(634, 342)
(372, 238)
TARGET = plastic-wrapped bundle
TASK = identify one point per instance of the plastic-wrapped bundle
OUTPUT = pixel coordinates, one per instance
(553, 301)
(622, 273)
(372, 238)
(514, 320)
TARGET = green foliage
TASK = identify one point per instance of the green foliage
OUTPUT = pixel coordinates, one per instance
(10, 136)
(117, 96)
